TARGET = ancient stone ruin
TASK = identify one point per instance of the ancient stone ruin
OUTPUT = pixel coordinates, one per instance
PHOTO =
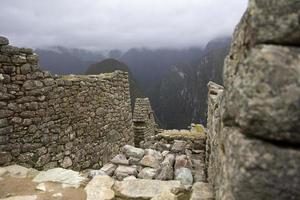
(72, 121)
(144, 125)
(80, 132)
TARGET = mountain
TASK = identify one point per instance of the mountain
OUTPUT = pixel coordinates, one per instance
(149, 65)
(175, 80)
(110, 65)
(61, 60)
(179, 98)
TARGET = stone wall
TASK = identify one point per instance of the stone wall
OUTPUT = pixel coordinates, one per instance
(70, 121)
(254, 130)
(144, 125)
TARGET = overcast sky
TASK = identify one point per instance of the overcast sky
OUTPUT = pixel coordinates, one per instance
(112, 24)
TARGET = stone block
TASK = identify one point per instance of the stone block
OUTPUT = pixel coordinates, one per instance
(275, 21)
(255, 169)
(264, 98)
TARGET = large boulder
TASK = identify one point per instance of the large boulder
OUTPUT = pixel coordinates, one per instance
(147, 173)
(109, 169)
(150, 161)
(68, 178)
(100, 188)
(134, 152)
(143, 188)
(124, 171)
(165, 172)
(184, 175)
(265, 94)
(182, 161)
(120, 159)
(16, 171)
(154, 153)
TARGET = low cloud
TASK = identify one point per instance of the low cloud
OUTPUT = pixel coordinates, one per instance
(118, 24)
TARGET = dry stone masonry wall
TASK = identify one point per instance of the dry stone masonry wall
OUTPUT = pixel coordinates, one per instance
(144, 125)
(254, 130)
(70, 121)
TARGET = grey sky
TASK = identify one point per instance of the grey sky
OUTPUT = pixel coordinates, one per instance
(111, 24)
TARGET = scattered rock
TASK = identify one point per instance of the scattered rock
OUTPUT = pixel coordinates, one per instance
(120, 159)
(147, 173)
(165, 172)
(154, 153)
(143, 188)
(182, 161)
(134, 152)
(67, 162)
(100, 188)
(184, 175)
(123, 171)
(64, 176)
(150, 161)
(179, 146)
(134, 161)
(109, 169)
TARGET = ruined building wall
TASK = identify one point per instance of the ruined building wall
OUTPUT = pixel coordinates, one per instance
(144, 125)
(254, 130)
(70, 121)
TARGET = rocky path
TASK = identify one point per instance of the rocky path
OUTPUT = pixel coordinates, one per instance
(176, 173)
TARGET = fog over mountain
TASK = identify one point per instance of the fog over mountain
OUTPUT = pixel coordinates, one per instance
(170, 48)
(118, 24)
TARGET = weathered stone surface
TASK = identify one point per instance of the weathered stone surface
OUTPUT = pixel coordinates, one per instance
(64, 176)
(184, 175)
(93, 173)
(275, 21)
(201, 191)
(150, 161)
(143, 188)
(251, 162)
(154, 153)
(182, 161)
(123, 171)
(16, 171)
(120, 159)
(266, 91)
(165, 172)
(67, 162)
(144, 125)
(178, 146)
(134, 152)
(100, 188)
(147, 173)
(82, 121)
(109, 168)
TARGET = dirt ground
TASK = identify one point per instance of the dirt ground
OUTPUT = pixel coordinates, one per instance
(10, 186)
